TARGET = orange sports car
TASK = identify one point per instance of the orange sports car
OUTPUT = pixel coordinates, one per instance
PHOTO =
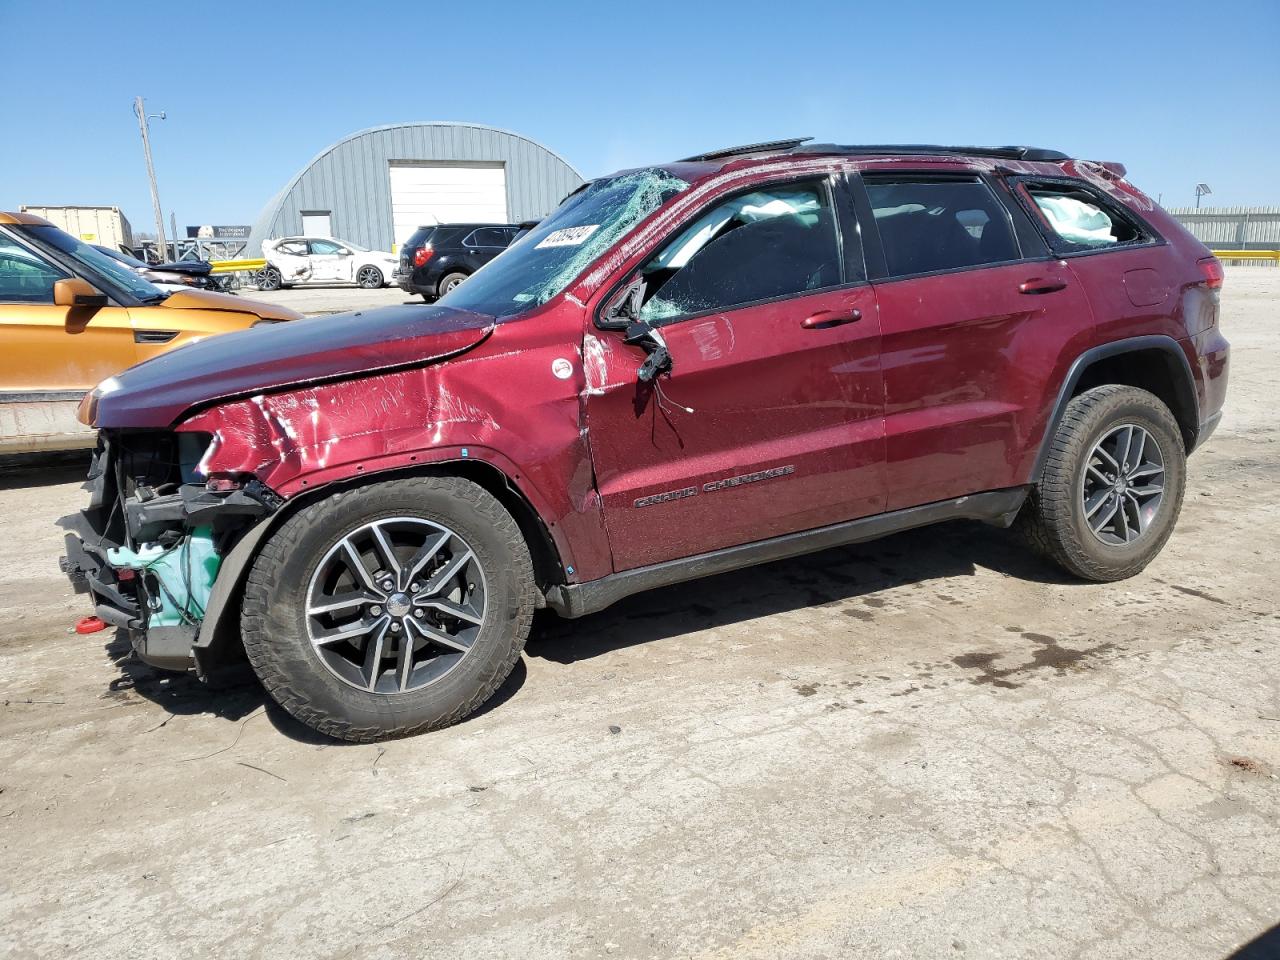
(71, 316)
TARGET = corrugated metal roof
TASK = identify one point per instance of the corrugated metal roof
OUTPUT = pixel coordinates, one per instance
(350, 178)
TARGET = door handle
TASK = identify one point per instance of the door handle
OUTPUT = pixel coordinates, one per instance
(1036, 285)
(829, 318)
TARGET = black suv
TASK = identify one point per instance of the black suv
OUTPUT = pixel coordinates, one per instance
(436, 259)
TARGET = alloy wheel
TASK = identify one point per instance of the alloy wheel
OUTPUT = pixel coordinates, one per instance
(369, 277)
(1123, 484)
(396, 604)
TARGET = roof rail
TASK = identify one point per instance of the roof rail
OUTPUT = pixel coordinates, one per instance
(769, 146)
(933, 149)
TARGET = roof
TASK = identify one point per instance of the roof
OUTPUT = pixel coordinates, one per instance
(28, 218)
(801, 145)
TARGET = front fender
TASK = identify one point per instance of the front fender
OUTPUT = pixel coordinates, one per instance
(304, 440)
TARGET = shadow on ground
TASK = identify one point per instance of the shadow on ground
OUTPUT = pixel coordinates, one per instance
(832, 577)
(20, 471)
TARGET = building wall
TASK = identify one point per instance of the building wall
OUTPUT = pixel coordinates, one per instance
(351, 179)
(1232, 228)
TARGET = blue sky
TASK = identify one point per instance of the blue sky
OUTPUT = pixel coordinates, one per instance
(252, 97)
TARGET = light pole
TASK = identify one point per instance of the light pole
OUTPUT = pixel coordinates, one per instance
(1202, 189)
(141, 111)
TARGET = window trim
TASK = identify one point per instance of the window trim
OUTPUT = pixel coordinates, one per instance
(1059, 246)
(839, 219)
(876, 259)
(117, 296)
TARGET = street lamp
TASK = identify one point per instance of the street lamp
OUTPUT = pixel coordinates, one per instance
(140, 111)
(1201, 190)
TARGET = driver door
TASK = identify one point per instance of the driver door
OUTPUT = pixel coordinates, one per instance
(771, 419)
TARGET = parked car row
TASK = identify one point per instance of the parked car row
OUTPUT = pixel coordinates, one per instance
(685, 369)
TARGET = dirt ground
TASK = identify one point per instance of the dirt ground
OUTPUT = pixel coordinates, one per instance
(931, 746)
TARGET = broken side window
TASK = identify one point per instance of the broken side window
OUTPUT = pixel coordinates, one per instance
(769, 243)
(1081, 220)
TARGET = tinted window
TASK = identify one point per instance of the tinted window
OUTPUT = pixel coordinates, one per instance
(420, 236)
(25, 277)
(1080, 220)
(769, 243)
(324, 248)
(489, 237)
(930, 225)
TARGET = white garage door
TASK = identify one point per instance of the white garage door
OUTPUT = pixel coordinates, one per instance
(424, 193)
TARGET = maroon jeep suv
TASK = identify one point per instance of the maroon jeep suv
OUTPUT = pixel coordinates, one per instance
(686, 368)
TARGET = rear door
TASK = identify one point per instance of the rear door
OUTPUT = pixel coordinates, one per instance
(770, 421)
(976, 318)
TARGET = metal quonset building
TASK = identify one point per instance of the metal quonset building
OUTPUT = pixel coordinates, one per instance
(375, 187)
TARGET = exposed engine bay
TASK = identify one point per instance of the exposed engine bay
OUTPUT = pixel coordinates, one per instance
(150, 545)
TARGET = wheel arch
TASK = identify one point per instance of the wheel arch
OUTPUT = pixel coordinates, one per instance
(1156, 364)
(219, 640)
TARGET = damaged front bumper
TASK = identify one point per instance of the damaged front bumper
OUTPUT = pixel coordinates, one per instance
(153, 542)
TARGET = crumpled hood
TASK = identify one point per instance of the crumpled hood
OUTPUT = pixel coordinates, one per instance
(194, 299)
(157, 392)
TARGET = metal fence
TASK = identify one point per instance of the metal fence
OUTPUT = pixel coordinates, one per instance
(1233, 228)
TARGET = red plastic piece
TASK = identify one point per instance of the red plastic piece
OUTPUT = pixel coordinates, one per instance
(90, 625)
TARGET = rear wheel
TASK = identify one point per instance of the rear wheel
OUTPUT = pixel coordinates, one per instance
(1112, 485)
(268, 278)
(390, 609)
(369, 277)
(451, 280)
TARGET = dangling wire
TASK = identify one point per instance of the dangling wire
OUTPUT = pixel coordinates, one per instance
(663, 399)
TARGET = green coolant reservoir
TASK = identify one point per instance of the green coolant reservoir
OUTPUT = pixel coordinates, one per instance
(184, 575)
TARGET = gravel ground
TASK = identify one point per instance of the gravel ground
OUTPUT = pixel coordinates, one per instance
(930, 746)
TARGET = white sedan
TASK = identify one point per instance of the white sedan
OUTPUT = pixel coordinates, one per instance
(294, 260)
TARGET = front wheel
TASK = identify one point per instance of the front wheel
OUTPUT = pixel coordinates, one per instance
(370, 278)
(1112, 485)
(391, 609)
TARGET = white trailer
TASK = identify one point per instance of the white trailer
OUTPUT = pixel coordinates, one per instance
(105, 226)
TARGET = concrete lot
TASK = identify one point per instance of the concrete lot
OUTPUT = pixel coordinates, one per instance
(931, 746)
(331, 299)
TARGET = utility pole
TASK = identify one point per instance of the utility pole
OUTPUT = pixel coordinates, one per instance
(140, 109)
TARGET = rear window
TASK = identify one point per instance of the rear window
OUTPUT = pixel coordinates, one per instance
(420, 236)
(1079, 220)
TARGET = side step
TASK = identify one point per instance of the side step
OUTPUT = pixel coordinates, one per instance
(579, 599)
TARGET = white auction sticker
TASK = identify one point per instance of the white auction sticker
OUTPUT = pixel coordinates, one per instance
(567, 237)
(562, 368)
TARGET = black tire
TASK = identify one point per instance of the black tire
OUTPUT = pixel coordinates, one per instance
(1054, 518)
(274, 613)
(370, 278)
(268, 278)
(450, 280)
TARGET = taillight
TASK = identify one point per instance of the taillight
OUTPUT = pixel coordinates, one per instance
(1211, 267)
(422, 255)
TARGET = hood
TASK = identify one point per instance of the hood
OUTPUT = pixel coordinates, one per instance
(157, 392)
(191, 298)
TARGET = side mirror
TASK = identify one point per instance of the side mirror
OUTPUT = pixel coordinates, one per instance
(626, 309)
(344, 252)
(74, 292)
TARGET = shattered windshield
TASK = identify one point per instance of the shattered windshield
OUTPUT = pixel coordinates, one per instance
(545, 261)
